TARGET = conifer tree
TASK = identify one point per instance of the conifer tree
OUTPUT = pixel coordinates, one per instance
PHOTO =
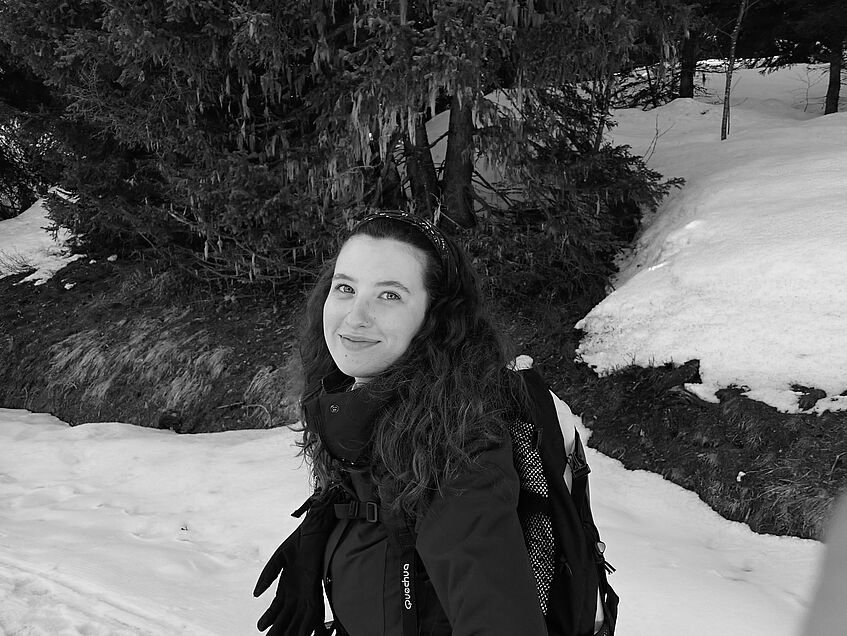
(246, 132)
(27, 151)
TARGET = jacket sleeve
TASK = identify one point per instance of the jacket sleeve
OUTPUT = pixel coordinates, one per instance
(471, 544)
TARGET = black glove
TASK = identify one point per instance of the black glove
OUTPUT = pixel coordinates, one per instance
(298, 607)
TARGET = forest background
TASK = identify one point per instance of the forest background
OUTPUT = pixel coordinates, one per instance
(219, 149)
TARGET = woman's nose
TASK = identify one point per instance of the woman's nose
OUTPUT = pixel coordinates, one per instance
(360, 312)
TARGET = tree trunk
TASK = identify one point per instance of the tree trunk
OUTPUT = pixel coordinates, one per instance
(742, 9)
(833, 91)
(458, 165)
(652, 88)
(603, 106)
(420, 169)
(389, 187)
(688, 65)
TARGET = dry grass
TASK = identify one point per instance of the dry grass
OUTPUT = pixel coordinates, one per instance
(144, 342)
(162, 361)
(778, 472)
(160, 287)
(270, 399)
(14, 263)
(793, 507)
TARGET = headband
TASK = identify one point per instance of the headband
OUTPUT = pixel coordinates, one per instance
(429, 231)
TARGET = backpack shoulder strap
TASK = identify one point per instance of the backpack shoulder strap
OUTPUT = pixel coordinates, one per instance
(549, 438)
(546, 420)
(401, 543)
(401, 539)
(579, 470)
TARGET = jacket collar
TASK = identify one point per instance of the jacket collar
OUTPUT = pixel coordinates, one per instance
(336, 382)
(345, 419)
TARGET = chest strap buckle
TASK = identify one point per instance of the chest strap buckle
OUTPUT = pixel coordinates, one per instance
(367, 510)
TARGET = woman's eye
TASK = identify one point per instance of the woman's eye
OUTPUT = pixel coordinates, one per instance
(390, 295)
(344, 288)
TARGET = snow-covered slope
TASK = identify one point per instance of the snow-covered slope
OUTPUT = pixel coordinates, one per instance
(744, 267)
(111, 529)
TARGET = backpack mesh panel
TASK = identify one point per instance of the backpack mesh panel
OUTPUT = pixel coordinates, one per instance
(537, 527)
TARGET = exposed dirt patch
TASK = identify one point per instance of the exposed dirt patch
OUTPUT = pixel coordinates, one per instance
(136, 342)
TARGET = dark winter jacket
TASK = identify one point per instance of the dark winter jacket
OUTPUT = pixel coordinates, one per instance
(473, 573)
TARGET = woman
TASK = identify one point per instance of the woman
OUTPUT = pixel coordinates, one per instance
(406, 410)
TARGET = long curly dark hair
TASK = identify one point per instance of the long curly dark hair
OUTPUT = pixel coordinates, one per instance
(454, 391)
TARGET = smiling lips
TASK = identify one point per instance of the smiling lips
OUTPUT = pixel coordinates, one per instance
(356, 343)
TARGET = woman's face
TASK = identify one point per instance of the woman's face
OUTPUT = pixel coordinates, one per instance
(376, 304)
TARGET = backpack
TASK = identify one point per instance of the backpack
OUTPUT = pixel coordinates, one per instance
(562, 540)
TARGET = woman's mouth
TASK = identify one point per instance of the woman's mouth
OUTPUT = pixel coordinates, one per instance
(356, 343)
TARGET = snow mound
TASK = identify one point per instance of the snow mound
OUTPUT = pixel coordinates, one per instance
(744, 268)
(26, 244)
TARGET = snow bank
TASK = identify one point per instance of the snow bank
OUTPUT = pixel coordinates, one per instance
(744, 267)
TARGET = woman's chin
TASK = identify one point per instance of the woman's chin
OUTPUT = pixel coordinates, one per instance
(360, 373)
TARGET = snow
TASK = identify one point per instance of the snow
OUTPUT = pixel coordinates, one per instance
(25, 244)
(110, 529)
(743, 268)
(107, 528)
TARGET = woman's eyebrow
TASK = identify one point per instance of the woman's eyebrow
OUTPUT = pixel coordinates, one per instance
(381, 283)
(393, 283)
